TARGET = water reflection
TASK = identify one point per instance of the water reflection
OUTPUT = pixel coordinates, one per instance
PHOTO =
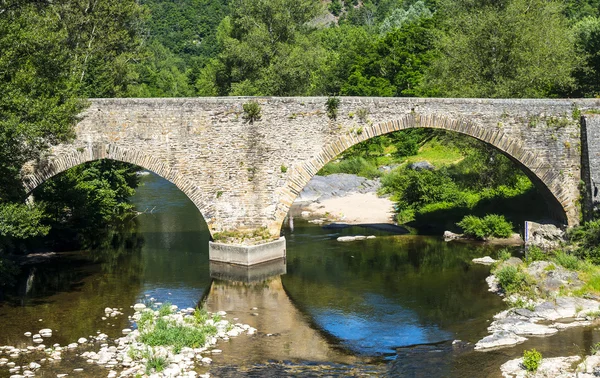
(285, 333)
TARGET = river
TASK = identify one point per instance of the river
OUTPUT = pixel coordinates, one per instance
(389, 306)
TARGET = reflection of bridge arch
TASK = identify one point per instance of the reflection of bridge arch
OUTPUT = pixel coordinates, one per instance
(543, 176)
(63, 161)
(293, 335)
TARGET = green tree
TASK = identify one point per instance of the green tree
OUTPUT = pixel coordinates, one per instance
(161, 74)
(264, 49)
(38, 106)
(517, 48)
(587, 40)
(82, 202)
(103, 39)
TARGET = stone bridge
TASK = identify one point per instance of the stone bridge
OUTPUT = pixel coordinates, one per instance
(243, 175)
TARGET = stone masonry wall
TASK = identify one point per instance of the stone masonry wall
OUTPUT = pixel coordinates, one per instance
(244, 176)
(590, 161)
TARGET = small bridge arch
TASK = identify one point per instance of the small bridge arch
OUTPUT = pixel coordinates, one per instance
(543, 177)
(35, 174)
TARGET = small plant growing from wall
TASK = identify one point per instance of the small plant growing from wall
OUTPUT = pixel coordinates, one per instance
(251, 111)
(362, 114)
(332, 105)
(283, 169)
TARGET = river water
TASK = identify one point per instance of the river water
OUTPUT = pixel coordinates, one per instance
(390, 306)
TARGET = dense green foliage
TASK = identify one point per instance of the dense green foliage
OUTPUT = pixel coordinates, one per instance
(84, 200)
(587, 241)
(53, 55)
(511, 279)
(492, 225)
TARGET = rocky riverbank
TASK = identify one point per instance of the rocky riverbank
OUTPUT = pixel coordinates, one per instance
(162, 342)
(553, 310)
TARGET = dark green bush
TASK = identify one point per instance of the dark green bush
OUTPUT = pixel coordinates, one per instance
(252, 111)
(332, 105)
(587, 238)
(511, 279)
(492, 225)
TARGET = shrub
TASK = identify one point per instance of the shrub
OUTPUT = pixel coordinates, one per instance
(498, 226)
(252, 111)
(534, 253)
(473, 226)
(332, 105)
(566, 260)
(511, 279)
(504, 254)
(532, 360)
(490, 225)
(588, 239)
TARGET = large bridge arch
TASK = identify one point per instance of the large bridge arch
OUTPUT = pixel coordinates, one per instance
(36, 173)
(545, 178)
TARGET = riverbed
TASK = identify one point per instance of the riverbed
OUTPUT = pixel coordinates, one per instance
(390, 306)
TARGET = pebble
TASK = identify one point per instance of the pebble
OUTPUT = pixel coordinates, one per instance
(82, 340)
(28, 334)
(139, 306)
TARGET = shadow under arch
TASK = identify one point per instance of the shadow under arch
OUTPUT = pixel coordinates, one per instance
(542, 175)
(33, 175)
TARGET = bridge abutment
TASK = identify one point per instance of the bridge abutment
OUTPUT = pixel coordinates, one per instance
(247, 255)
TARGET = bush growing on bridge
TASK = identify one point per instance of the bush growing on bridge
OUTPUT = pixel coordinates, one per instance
(332, 105)
(491, 225)
(252, 111)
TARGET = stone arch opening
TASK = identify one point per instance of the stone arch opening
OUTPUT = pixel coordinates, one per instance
(545, 179)
(35, 174)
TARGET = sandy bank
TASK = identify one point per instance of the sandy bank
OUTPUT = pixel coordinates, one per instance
(354, 208)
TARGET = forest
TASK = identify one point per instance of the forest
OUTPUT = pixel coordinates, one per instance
(56, 54)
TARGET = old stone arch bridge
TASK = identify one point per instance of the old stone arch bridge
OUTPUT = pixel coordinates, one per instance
(243, 176)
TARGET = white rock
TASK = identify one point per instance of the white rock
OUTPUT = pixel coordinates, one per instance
(82, 340)
(346, 238)
(139, 306)
(499, 339)
(28, 334)
(549, 367)
(126, 331)
(486, 260)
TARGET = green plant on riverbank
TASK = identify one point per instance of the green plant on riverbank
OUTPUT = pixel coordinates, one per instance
(512, 279)
(164, 331)
(491, 225)
(532, 360)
